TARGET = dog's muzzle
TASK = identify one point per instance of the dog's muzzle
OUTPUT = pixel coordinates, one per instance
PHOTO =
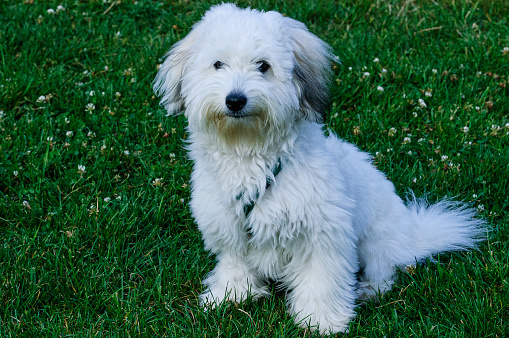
(235, 102)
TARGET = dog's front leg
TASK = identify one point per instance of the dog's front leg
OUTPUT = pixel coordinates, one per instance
(232, 279)
(322, 285)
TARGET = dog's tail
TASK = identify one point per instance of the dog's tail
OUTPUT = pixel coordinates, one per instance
(444, 226)
(426, 231)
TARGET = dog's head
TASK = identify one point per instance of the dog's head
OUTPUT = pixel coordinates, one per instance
(244, 74)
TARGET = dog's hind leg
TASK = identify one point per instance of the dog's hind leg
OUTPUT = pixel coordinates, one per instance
(383, 247)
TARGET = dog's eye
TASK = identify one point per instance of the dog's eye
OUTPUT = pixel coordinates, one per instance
(218, 65)
(263, 66)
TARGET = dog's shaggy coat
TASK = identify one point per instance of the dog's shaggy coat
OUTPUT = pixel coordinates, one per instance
(273, 197)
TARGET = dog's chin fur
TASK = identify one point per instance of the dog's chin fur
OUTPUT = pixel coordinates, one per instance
(239, 134)
(328, 213)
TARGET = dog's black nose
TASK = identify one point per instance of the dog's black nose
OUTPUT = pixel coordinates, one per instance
(235, 101)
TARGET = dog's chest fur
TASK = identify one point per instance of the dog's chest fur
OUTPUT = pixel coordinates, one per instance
(225, 185)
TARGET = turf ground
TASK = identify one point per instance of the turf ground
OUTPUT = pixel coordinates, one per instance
(96, 237)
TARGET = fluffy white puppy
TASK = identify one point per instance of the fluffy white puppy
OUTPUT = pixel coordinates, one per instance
(273, 197)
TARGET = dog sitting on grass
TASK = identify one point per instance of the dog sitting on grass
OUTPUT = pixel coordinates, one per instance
(274, 198)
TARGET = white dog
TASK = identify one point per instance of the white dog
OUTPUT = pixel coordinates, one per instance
(274, 198)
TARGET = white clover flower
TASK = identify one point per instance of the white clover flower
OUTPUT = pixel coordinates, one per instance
(107, 199)
(428, 94)
(414, 179)
(505, 50)
(157, 182)
(117, 95)
(350, 68)
(126, 152)
(67, 121)
(92, 93)
(384, 70)
(422, 104)
(60, 8)
(91, 134)
(407, 140)
(389, 150)
(380, 89)
(81, 169)
(376, 60)
(51, 11)
(477, 108)
(392, 131)
(69, 133)
(26, 205)
(118, 34)
(444, 157)
(93, 209)
(106, 68)
(434, 71)
(41, 98)
(90, 107)
(366, 74)
(474, 196)
(465, 129)
(49, 138)
(414, 114)
(1, 114)
(15, 173)
(480, 207)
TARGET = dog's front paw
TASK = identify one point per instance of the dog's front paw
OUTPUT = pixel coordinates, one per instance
(323, 308)
(325, 323)
(209, 300)
(230, 282)
(215, 295)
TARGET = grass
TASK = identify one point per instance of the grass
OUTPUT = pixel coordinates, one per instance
(96, 237)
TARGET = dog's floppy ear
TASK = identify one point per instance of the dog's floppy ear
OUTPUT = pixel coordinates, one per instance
(168, 82)
(312, 70)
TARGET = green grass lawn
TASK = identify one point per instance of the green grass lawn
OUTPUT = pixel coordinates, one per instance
(96, 237)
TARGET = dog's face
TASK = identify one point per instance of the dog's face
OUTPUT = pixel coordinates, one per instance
(245, 76)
